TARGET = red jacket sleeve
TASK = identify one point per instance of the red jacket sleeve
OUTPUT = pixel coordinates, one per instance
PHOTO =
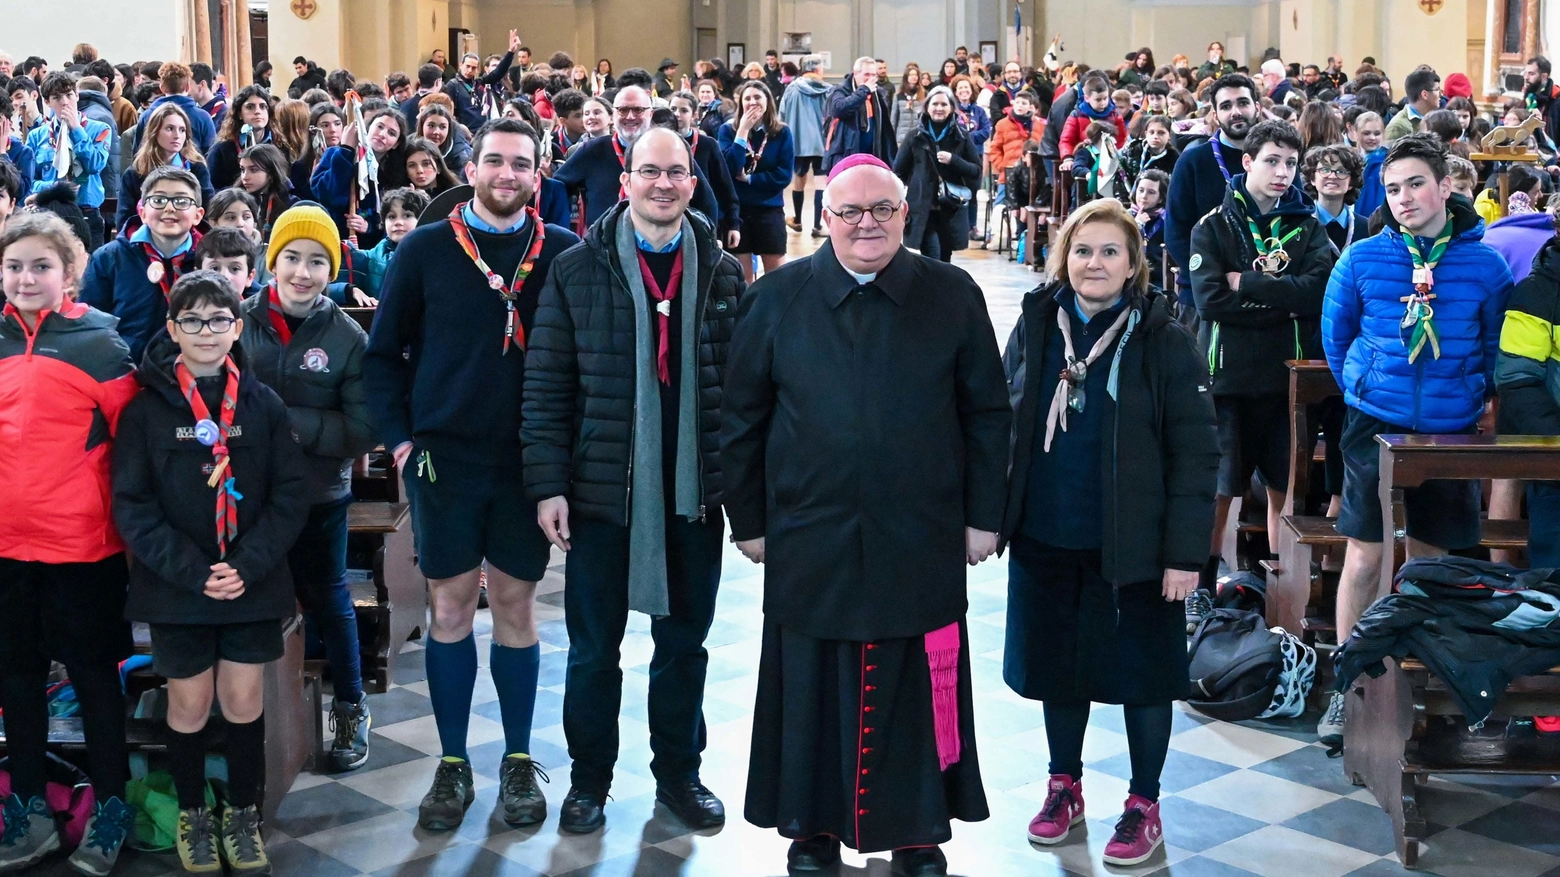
(1121, 132)
(1072, 132)
(115, 394)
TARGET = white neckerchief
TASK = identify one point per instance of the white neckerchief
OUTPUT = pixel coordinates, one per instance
(62, 150)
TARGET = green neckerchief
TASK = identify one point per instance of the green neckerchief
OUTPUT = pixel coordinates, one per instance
(1274, 242)
(1418, 316)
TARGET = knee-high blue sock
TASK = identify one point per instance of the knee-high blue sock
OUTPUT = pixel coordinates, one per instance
(452, 674)
(514, 675)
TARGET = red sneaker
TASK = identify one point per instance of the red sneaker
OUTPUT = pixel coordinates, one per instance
(1547, 724)
(1063, 809)
(1138, 833)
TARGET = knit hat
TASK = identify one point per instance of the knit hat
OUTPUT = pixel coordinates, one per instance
(1457, 85)
(305, 220)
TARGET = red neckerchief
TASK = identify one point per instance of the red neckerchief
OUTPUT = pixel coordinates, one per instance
(617, 147)
(171, 266)
(662, 346)
(510, 293)
(278, 316)
(221, 474)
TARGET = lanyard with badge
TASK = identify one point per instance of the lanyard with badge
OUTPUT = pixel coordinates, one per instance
(514, 331)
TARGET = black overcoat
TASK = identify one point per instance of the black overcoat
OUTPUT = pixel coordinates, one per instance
(863, 428)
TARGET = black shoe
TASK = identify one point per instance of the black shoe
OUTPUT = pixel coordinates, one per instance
(693, 803)
(518, 795)
(813, 854)
(920, 862)
(443, 808)
(583, 811)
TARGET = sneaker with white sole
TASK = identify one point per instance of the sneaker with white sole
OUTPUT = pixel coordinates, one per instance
(107, 829)
(29, 833)
(1062, 810)
(1330, 729)
(1138, 833)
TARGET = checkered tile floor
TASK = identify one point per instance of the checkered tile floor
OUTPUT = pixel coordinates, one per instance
(1255, 798)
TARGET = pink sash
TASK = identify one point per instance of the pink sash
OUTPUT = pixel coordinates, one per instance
(942, 658)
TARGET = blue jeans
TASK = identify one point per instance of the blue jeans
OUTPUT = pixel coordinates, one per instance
(1544, 524)
(318, 561)
(595, 606)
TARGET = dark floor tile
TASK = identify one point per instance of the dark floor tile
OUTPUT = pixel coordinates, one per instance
(1351, 823)
(330, 805)
(398, 705)
(1197, 866)
(1182, 770)
(410, 667)
(460, 861)
(1509, 786)
(1198, 827)
(1310, 767)
(1521, 824)
(294, 857)
(384, 752)
(1389, 868)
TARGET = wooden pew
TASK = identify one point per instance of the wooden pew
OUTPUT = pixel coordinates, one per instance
(396, 603)
(1404, 725)
(364, 316)
(1290, 585)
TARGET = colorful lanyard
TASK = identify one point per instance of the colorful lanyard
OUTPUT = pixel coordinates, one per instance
(1218, 156)
(215, 436)
(510, 293)
(162, 271)
(1271, 257)
(1418, 315)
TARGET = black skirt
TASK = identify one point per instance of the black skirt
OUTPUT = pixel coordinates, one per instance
(1072, 637)
(763, 231)
(844, 744)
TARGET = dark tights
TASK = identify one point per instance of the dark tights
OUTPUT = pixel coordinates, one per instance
(25, 701)
(1148, 741)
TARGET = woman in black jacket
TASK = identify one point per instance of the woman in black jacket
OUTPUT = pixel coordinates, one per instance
(940, 168)
(1110, 505)
(247, 124)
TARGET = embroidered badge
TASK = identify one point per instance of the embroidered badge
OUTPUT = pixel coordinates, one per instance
(1196, 262)
(154, 272)
(315, 360)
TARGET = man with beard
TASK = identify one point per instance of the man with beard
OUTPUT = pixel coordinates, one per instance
(1541, 94)
(1012, 83)
(461, 294)
(474, 100)
(865, 431)
(620, 429)
(1202, 175)
(596, 167)
(1334, 75)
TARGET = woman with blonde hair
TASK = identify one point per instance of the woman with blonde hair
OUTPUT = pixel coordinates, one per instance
(167, 141)
(1109, 510)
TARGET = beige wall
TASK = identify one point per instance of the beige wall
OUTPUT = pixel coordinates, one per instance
(319, 38)
(141, 30)
(1167, 29)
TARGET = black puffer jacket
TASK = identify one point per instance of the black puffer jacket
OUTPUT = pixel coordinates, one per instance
(320, 377)
(576, 427)
(165, 510)
(923, 174)
(1160, 456)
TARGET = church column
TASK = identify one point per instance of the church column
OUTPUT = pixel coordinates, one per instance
(202, 32)
(244, 72)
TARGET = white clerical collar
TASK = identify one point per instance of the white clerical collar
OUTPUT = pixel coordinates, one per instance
(861, 279)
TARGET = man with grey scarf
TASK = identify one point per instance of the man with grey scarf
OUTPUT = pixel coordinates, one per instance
(619, 430)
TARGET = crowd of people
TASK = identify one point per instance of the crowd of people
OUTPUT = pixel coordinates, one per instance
(184, 388)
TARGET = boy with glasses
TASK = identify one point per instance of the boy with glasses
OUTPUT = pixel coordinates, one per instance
(131, 276)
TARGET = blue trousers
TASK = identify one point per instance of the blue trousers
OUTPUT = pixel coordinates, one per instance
(319, 567)
(1544, 524)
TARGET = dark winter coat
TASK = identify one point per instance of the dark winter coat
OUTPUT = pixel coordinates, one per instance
(864, 427)
(1196, 187)
(1160, 454)
(1247, 335)
(165, 510)
(576, 430)
(1477, 625)
(319, 374)
(712, 166)
(923, 175)
(595, 170)
(848, 128)
(115, 282)
(468, 96)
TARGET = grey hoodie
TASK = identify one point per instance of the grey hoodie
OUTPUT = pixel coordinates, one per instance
(802, 107)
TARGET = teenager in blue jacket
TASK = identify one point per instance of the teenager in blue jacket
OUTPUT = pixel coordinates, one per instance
(760, 155)
(1411, 326)
(335, 179)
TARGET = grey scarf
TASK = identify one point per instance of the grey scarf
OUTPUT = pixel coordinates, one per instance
(647, 585)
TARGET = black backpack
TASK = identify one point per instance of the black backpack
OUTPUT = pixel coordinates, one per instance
(1242, 670)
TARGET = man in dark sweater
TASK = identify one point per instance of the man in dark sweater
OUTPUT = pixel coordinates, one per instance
(461, 294)
(1203, 174)
(596, 168)
(622, 402)
(711, 165)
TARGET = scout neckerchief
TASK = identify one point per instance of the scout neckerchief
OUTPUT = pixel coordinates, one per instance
(163, 270)
(1271, 258)
(62, 150)
(215, 436)
(663, 308)
(617, 147)
(1069, 386)
(277, 316)
(513, 329)
(757, 140)
(1418, 316)
(1218, 156)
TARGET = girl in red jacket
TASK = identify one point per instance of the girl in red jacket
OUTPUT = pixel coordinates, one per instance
(65, 375)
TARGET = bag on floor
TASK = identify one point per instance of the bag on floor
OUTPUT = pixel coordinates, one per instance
(1242, 590)
(1242, 670)
(156, 806)
(68, 793)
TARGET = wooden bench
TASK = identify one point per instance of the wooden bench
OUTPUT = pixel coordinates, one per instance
(364, 316)
(1291, 587)
(1404, 725)
(395, 603)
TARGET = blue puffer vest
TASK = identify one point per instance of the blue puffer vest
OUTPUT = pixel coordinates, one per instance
(1367, 346)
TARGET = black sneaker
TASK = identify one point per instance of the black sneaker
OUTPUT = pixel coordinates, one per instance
(350, 723)
(1199, 605)
(583, 811)
(518, 794)
(443, 808)
(693, 804)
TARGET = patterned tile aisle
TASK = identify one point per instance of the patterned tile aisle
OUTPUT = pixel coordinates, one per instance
(1256, 798)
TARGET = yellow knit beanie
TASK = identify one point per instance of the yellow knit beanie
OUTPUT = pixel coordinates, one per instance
(305, 221)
